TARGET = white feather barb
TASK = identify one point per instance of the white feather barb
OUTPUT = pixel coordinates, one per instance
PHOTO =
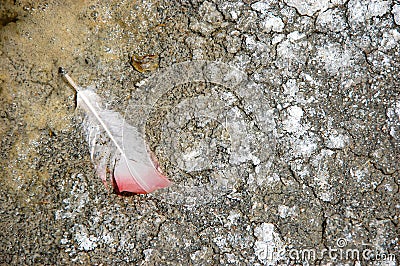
(113, 142)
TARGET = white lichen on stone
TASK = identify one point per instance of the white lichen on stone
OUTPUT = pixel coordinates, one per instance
(210, 19)
(286, 211)
(334, 58)
(274, 178)
(292, 123)
(390, 40)
(357, 11)
(247, 21)
(233, 218)
(233, 42)
(296, 36)
(196, 43)
(302, 142)
(272, 23)
(293, 50)
(147, 254)
(231, 10)
(85, 242)
(393, 115)
(277, 38)
(359, 174)
(331, 20)
(303, 147)
(261, 6)
(107, 238)
(209, 13)
(250, 42)
(221, 243)
(360, 10)
(378, 8)
(396, 14)
(322, 176)
(337, 140)
(290, 88)
(310, 7)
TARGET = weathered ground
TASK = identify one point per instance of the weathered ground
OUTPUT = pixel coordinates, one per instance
(322, 173)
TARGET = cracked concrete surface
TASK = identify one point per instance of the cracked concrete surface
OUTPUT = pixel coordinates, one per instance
(328, 72)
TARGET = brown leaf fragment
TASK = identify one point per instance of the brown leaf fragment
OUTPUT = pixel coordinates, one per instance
(146, 63)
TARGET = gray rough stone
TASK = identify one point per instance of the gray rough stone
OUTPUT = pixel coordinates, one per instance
(287, 142)
(396, 14)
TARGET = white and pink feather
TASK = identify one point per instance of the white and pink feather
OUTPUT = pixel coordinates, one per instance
(115, 144)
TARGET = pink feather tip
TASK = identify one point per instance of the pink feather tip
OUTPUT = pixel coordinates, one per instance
(150, 179)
